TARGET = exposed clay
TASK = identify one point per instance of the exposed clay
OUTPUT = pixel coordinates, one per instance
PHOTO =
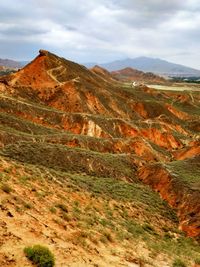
(178, 195)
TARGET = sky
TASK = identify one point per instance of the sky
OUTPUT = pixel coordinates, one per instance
(101, 30)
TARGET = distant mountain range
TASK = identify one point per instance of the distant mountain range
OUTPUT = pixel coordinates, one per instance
(128, 75)
(8, 63)
(146, 64)
(154, 65)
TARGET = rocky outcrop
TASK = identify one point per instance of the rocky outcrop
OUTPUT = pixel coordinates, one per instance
(43, 52)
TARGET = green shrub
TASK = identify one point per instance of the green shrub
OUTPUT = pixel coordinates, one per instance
(40, 255)
(107, 236)
(148, 228)
(6, 188)
(52, 210)
(197, 261)
(62, 207)
(27, 205)
(178, 263)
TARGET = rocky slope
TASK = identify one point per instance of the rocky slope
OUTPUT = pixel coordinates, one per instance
(77, 149)
(103, 73)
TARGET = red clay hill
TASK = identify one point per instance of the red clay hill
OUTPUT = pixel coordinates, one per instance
(130, 74)
(103, 73)
(109, 129)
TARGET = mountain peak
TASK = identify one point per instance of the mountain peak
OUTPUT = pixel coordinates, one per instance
(47, 70)
(58, 81)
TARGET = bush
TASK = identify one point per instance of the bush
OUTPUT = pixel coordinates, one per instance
(197, 261)
(40, 255)
(6, 188)
(27, 205)
(178, 263)
(62, 207)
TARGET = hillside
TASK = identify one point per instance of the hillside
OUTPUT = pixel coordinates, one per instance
(103, 73)
(101, 173)
(129, 74)
(155, 65)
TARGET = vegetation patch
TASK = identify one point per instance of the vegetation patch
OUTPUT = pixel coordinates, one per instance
(178, 263)
(40, 255)
(75, 160)
(187, 170)
(6, 188)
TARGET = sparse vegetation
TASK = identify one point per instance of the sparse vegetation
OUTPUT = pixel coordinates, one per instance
(187, 170)
(109, 212)
(178, 263)
(40, 255)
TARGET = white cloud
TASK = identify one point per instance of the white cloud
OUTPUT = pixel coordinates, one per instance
(101, 30)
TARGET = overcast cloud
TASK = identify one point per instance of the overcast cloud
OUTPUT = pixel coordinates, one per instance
(101, 30)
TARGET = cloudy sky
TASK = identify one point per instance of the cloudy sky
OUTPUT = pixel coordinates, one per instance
(101, 30)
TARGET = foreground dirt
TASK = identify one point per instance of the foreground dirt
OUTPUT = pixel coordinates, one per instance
(43, 208)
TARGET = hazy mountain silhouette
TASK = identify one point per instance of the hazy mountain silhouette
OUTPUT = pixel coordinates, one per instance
(155, 65)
